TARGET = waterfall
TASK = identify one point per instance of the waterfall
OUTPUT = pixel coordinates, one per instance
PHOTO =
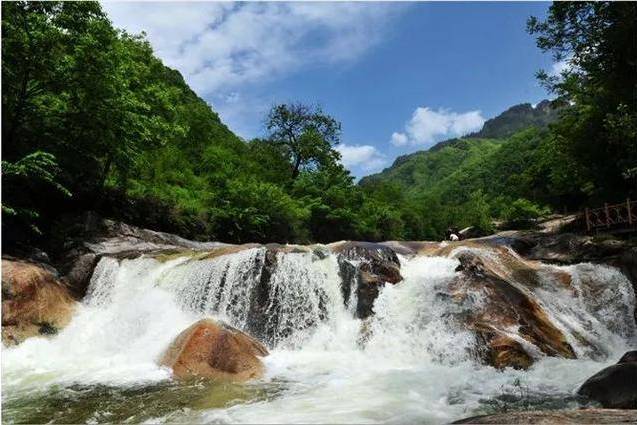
(413, 360)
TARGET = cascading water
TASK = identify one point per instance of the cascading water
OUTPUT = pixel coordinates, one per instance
(411, 361)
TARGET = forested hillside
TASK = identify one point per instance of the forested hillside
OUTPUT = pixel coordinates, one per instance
(580, 149)
(472, 180)
(92, 120)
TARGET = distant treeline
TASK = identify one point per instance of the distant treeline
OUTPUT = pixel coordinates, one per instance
(92, 120)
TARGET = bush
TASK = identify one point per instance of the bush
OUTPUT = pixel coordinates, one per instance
(523, 210)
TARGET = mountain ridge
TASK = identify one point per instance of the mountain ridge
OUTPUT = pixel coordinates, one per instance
(514, 119)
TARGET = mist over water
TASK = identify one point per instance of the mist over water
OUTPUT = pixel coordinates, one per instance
(411, 361)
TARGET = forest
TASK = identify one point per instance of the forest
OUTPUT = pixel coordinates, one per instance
(93, 121)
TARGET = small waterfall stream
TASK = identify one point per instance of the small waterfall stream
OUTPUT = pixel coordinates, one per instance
(411, 361)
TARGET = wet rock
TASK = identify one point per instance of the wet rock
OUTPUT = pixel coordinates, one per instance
(80, 270)
(365, 268)
(615, 386)
(507, 320)
(582, 416)
(80, 242)
(503, 351)
(208, 349)
(628, 357)
(34, 301)
(260, 298)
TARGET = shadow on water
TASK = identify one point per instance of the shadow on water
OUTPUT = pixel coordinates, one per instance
(165, 401)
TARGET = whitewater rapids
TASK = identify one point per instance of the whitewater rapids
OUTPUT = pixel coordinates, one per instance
(405, 364)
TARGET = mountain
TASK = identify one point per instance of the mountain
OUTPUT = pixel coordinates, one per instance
(504, 171)
(509, 122)
(518, 118)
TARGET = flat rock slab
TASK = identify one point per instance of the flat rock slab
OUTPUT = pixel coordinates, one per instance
(583, 416)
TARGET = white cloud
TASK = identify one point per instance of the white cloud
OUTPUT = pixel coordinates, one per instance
(399, 139)
(364, 157)
(228, 52)
(222, 46)
(558, 67)
(427, 126)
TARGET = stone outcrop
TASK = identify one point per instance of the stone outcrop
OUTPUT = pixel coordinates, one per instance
(34, 301)
(547, 417)
(508, 319)
(615, 386)
(571, 248)
(208, 349)
(365, 268)
(82, 241)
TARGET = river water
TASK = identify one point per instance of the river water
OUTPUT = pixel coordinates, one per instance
(408, 363)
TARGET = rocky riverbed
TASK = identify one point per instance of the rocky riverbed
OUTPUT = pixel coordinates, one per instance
(512, 321)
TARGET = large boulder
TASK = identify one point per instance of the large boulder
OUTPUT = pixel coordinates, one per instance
(208, 349)
(34, 301)
(365, 268)
(615, 386)
(546, 417)
(504, 305)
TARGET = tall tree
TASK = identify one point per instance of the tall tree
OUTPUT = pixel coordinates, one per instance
(307, 135)
(598, 41)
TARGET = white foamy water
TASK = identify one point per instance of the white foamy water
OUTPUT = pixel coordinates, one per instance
(409, 362)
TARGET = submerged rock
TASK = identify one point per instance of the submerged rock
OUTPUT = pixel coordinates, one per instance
(212, 350)
(615, 386)
(34, 301)
(582, 416)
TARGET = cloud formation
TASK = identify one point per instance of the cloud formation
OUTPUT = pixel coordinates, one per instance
(399, 139)
(561, 66)
(221, 46)
(427, 126)
(364, 157)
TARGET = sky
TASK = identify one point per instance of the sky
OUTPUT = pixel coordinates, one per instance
(398, 76)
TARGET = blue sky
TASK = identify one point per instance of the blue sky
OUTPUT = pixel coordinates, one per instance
(399, 76)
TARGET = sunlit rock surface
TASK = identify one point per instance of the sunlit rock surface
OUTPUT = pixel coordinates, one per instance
(583, 416)
(208, 349)
(34, 301)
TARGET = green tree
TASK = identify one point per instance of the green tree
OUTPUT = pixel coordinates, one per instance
(306, 134)
(598, 39)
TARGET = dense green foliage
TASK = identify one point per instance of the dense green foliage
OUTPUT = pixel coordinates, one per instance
(597, 136)
(471, 181)
(92, 120)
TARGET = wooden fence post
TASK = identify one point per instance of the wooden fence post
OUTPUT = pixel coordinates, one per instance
(607, 214)
(588, 220)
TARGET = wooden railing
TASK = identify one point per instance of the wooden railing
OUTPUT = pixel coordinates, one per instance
(618, 217)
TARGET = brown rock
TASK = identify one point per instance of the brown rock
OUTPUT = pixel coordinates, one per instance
(211, 350)
(34, 302)
(506, 352)
(582, 416)
(506, 306)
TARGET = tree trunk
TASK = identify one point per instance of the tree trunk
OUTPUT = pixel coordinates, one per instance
(297, 165)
